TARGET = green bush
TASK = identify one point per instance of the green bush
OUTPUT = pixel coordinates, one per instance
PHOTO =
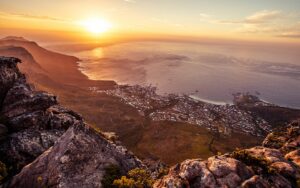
(248, 159)
(3, 171)
(112, 172)
(162, 172)
(124, 182)
(136, 178)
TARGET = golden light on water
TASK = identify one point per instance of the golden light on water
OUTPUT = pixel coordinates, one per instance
(98, 53)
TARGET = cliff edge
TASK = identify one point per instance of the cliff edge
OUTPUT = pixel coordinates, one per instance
(43, 144)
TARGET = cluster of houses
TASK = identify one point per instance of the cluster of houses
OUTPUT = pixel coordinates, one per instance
(221, 119)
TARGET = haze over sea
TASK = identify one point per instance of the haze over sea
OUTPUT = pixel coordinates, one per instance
(211, 72)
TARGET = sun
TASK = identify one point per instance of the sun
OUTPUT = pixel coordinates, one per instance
(96, 25)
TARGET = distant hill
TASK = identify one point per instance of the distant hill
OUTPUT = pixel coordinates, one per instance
(59, 67)
(14, 38)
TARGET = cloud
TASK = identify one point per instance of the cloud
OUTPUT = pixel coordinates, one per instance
(290, 34)
(31, 16)
(263, 16)
(256, 18)
(270, 22)
(130, 1)
(166, 22)
(204, 15)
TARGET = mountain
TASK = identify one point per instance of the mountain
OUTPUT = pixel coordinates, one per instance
(59, 67)
(14, 38)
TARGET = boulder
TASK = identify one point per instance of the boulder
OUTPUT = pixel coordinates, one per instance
(23, 147)
(8, 74)
(260, 166)
(33, 119)
(78, 159)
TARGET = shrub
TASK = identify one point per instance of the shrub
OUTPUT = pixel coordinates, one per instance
(124, 182)
(251, 160)
(136, 178)
(112, 172)
(3, 171)
(162, 172)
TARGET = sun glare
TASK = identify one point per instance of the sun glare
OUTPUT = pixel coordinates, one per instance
(96, 26)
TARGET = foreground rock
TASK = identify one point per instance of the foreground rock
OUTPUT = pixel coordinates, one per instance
(53, 143)
(275, 164)
(78, 159)
(26, 118)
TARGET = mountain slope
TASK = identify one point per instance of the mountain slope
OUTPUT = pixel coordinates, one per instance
(61, 68)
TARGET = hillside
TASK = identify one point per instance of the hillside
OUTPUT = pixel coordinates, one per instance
(59, 67)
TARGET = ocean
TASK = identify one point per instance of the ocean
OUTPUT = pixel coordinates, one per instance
(209, 72)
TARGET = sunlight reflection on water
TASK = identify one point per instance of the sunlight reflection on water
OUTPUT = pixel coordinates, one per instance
(216, 71)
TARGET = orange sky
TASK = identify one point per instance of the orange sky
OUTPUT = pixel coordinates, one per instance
(257, 20)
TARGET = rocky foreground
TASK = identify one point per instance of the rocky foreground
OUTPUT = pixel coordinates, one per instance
(43, 144)
(51, 145)
(274, 164)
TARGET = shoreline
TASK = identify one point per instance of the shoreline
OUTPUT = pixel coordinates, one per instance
(224, 101)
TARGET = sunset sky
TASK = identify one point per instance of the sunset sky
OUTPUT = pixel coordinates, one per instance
(271, 20)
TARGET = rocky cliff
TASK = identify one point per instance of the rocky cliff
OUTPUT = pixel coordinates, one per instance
(47, 145)
(274, 164)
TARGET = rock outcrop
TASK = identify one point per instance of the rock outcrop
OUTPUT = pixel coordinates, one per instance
(46, 144)
(25, 115)
(274, 164)
(78, 159)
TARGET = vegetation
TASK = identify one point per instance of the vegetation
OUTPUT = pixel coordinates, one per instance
(248, 159)
(124, 182)
(136, 178)
(39, 179)
(97, 129)
(162, 172)
(276, 140)
(112, 172)
(3, 171)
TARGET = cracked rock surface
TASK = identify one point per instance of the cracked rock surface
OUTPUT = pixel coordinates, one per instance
(47, 145)
(274, 164)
